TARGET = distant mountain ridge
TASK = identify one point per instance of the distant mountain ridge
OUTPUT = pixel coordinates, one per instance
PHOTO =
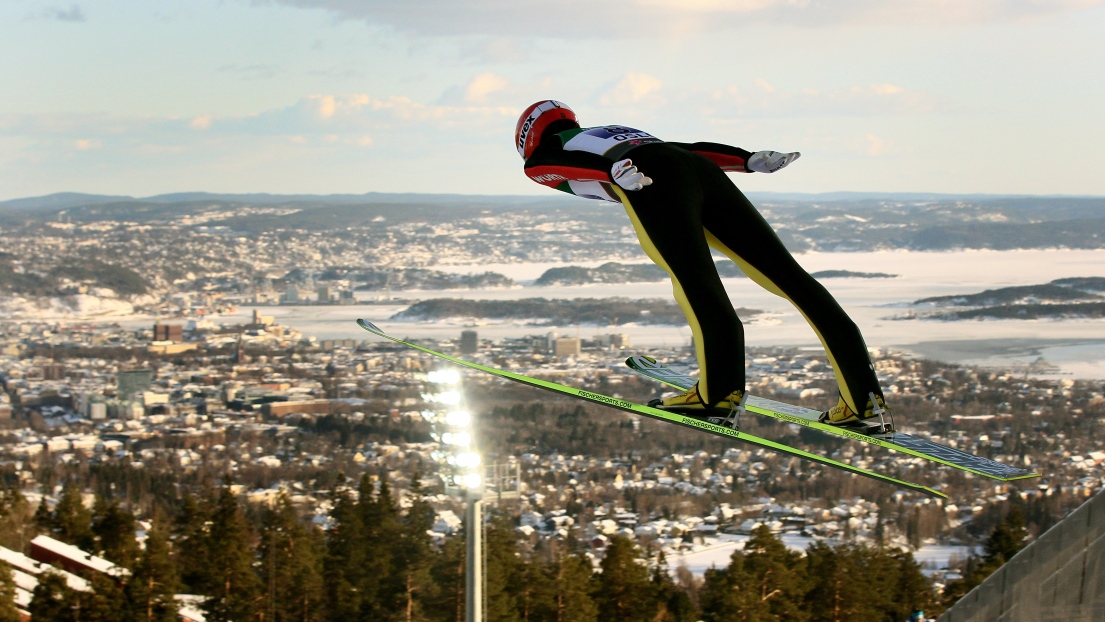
(65, 200)
(830, 222)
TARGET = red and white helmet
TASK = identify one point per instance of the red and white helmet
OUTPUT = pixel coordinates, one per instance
(535, 120)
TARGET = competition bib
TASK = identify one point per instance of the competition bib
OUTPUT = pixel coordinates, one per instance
(611, 141)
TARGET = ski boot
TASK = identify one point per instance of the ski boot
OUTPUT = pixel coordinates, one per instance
(842, 415)
(690, 403)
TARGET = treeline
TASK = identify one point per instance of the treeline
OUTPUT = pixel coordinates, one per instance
(1060, 290)
(53, 281)
(849, 274)
(1076, 297)
(376, 561)
(594, 311)
(614, 272)
(1030, 311)
(372, 279)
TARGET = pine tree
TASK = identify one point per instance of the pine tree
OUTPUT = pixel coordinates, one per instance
(150, 590)
(536, 590)
(413, 555)
(837, 586)
(624, 593)
(500, 547)
(106, 603)
(913, 592)
(71, 522)
(344, 561)
(777, 574)
(114, 528)
(8, 610)
(16, 522)
(43, 519)
(291, 566)
(674, 604)
(1004, 541)
(234, 591)
(380, 584)
(53, 600)
(574, 584)
(858, 582)
(728, 595)
(447, 574)
(189, 546)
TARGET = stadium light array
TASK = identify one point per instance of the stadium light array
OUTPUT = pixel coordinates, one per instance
(443, 376)
(468, 460)
(458, 439)
(458, 419)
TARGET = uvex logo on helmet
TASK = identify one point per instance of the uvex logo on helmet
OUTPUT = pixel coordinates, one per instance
(533, 122)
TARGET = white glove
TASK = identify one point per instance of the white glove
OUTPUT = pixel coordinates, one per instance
(627, 176)
(770, 161)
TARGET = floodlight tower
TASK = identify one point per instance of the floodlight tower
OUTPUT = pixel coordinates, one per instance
(453, 428)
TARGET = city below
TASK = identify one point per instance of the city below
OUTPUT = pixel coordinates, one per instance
(287, 417)
(192, 426)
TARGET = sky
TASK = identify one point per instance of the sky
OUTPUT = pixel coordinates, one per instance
(141, 97)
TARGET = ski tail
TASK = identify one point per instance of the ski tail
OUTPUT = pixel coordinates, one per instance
(651, 368)
(656, 413)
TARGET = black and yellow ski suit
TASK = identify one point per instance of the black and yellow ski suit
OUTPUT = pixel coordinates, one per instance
(691, 206)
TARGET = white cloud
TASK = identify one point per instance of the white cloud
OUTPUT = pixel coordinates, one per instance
(766, 100)
(328, 142)
(353, 119)
(72, 14)
(483, 85)
(574, 19)
(886, 89)
(876, 146)
(633, 88)
(201, 122)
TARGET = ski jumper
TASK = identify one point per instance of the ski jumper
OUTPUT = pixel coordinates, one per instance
(691, 206)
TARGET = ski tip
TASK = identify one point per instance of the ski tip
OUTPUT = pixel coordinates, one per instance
(369, 326)
(933, 492)
(1020, 477)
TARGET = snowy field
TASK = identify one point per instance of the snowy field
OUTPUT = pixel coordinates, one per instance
(715, 553)
(1076, 346)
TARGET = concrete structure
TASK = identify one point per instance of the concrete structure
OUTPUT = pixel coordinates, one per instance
(22, 563)
(291, 295)
(168, 332)
(50, 551)
(25, 572)
(1060, 576)
(282, 409)
(469, 342)
(133, 382)
(53, 371)
(568, 346)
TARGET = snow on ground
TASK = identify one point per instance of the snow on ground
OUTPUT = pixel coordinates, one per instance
(75, 307)
(715, 553)
(1077, 347)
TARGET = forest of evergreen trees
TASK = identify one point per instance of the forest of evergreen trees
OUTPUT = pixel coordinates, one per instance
(378, 561)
